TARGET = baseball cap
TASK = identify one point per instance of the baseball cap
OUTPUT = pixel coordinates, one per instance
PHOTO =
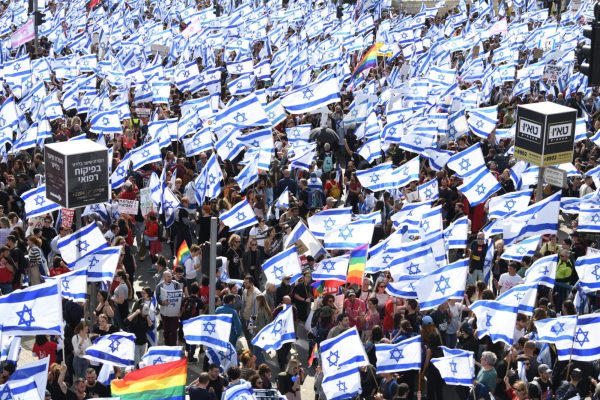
(544, 369)
(351, 293)
(427, 320)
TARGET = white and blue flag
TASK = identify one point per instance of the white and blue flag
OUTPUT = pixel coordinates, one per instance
(342, 384)
(521, 296)
(239, 217)
(241, 391)
(277, 333)
(100, 265)
(146, 154)
(117, 349)
(350, 236)
(501, 206)
(444, 283)
(496, 320)
(332, 269)
(38, 370)
(540, 218)
(542, 271)
(326, 220)
(479, 186)
(285, 263)
(87, 240)
(589, 218)
(344, 351)
(209, 330)
(558, 331)
(162, 354)
(467, 161)
(312, 97)
(456, 369)
(223, 358)
(585, 345)
(525, 248)
(588, 271)
(36, 202)
(73, 285)
(402, 356)
(457, 233)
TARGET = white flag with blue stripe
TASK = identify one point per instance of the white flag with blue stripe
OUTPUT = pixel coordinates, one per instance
(224, 359)
(350, 236)
(558, 331)
(586, 340)
(209, 330)
(501, 206)
(342, 384)
(332, 269)
(312, 97)
(277, 333)
(429, 190)
(402, 356)
(542, 271)
(521, 296)
(100, 265)
(283, 264)
(73, 285)
(87, 240)
(540, 218)
(245, 113)
(326, 220)
(479, 186)
(455, 370)
(343, 351)
(36, 310)
(589, 218)
(162, 354)
(496, 320)
(36, 202)
(444, 283)
(588, 271)
(413, 261)
(22, 389)
(377, 178)
(457, 233)
(525, 248)
(146, 154)
(117, 349)
(283, 201)
(106, 122)
(239, 217)
(467, 161)
(241, 391)
(10, 348)
(198, 142)
(38, 370)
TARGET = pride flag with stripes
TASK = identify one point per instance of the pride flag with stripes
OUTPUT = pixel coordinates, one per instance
(356, 265)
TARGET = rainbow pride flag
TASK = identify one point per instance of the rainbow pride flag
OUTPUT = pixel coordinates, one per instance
(368, 60)
(162, 381)
(356, 265)
(183, 254)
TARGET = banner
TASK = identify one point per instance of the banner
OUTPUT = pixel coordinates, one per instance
(174, 298)
(128, 206)
(23, 35)
(146, 204)
(67, 215)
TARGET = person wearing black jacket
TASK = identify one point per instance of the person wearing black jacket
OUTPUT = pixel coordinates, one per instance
(139, 323)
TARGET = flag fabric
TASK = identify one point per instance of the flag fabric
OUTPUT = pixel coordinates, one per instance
(588, 271)
(223, 358)
(107, 374)
(277, 333)
(183, 254)
(144, 155)
(343, 351)
(36, 310)
(162, 354)
(312, 97)
(467, 161)
(87, 240)
(457, 233)
(302, 234)
(10, 348)
(285, 263)
(335, 268)
(36, 202)
(241, 391)
(429, 190)
(162, 381)
(37, 370)
(239, 217)
(343, 384)
(542, 271)
(540, 218)
(73, 285)
(209, 330)
(495, 320)
(368, 60)
(101, 265)
(356, 265)
(346, 237)
(455, 370)
(525, 248)
(444, 283)
(23, 389)
(479, 186)
(558, 331)
(501, 206)
(326, 220)
(589, 218)
(117, 349)
(521, 296)
(283, 201)
(401, 356)
(586, 341)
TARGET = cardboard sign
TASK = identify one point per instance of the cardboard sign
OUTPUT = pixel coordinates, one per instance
(142, 111)
(146, 205)
(174, 302)
(67, 215)
(128, 207)
(552, 72)
(160, 49)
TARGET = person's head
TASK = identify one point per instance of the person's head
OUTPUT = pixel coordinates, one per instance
(167, 277)
(194, 288)
(203, 380)
(234, 241)
(488, 359)
(233, 373)
(307, 276)
(79, 385)
(34, 241)
(480, 238)
(466, 329)
(520, 389)
(351, 295)
(248, 282)
(576, 376)
(102, 321)
(265, 371)
(544, 372)
(229, 299)
(343, 320)
(102, 296)
(529, 348)
(521, 321)
(256, 381)
(80, 328)
(247, 359)
(512, 269)
(90, 376)
(372, 303)
(293, 366)
(213, 371)
(40, 340)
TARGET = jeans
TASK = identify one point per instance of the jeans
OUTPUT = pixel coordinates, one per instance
(170, 327)
(140, 350)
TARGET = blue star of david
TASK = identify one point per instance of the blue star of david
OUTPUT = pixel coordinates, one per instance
(238, 85)
(93, 262)
(396, 354)
(428, 193)
(392, 131)
(196, 141)
(277, 327)
(255, 143)
(227, 355)
(239, 68)
(114, 344)
(229, 145)
(278, 271)
(479, 124)
(82, 245)
(132, 63)
(448, 233)
(186, 74)
(442, 280)
(2, 121)
(341, 386)
(519, 295)
(596, 218)
(271, 115)
(85, 63)
(345, 233)
(412, 286)
(28, 84)
(86, 101)
(404, 171)
(387, 258)
(488, 320)
(21, 314)
(36, 98)
(354, 112)
(413, 269)
(521, 250)
(480, 189)
(453, 367)
(200, 79)
(584, 337)
(120, 170)
(240, 117)
(209, 327)
(212, 179)
(545, 271)
(333, 359)
(146, 153)
(425, 225)
(157, 360)
(17, 66)
(39, 200)
(441, 77)
(328, 265)
(308, 94)
(65, 284)
(403, 35)
(596, 272)
(145, 88)
(464, 164)
(509, 204)
(418, 141)
(105, 120)
(374, 178)
(168, 205)
(558, 328)
(240, 216)
(452, 132)
(329, 223)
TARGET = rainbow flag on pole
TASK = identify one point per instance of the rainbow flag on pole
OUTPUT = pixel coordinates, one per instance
(162, 381)
(368, 60)
(183, 254)
(356, 265)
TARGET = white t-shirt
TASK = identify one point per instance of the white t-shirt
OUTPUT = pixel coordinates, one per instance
(259, 234)
(507, 282)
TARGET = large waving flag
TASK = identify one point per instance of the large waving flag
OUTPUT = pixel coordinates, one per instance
(36, 202)
(482, 121)
(342, 384)
(558, 331)
(22, 389)
(495, 319)
(302, 234)
(538, 219)
(525, 248)
(87, 240)
(162, 354)
(144, 155)
(502, 206)
(335, 268)
(588, 271)
(106, 122)
(10, 348)
(224, 359)
(402, 356)
(456, 369)
(73, 284)
(457, 233)
(326, 220)
(283, 264)
(245, 113)
(208, 184)
(162, 381)
(240, 216)
(37, 370)
(241, 391)
(586, 340)
(277, 333)
(442, 284)
(101, 265)
(467, 161)
(589, 218)
(521, 296)
(36, 310)
(350, 236)
(117, 349)
(343, 351)
(209, 330)
(479, 186)
(312, 97)
(542, 271)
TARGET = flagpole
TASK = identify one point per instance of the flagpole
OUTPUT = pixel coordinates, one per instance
(571, 353)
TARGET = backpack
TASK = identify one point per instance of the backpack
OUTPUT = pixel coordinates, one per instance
(315, 318)
(191, 307)
(327, 163)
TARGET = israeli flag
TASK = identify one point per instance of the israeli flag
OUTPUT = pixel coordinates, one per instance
(377, 178)
(116, 349)
(455, 370)
(209, 330)
(162, 354)
(457, 233)
(283, 264)
(479, 186)
(350, 236)
(283, 201)
(10, 349)
(416, 261)
(542, 271)
(558, 331)
(302, 234)
(23, 389)
(585, 345)
(521, 296)
(540, 218)
(146, 154)
(342, 352)
(36, 202)
(589, 218)
(332, 269)
(277, 333)
(106, 122)
(240, 216)
(224, 359)
(87, 240)
(37, 370)
(442, 284)
(525, 248)
(437, 158)
(402, 356)
(73, 284)
(588, 271)
(100, 265)
(342, 384)
(467, 162)
(245, 66)
(312, 97)
(245, 113)
(208, 184)
(169, 206)
(299, 133)
(275, 112)
(161, 89)
(326, 220)
(501, 206)
(442, 76)
(119, 175)
(404, 286)
(241, 391)
(429, 190)
(248, 175)
(496, 320)
(198, 142)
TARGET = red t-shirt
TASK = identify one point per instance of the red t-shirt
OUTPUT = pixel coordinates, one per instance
(45, 350)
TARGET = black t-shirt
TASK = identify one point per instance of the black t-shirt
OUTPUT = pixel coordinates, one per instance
(217, 385)
(478, 252)
(98, 390)
(197, 393)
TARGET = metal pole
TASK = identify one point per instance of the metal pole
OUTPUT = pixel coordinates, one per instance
(36, 41)
(213, 265)
(539, 194)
